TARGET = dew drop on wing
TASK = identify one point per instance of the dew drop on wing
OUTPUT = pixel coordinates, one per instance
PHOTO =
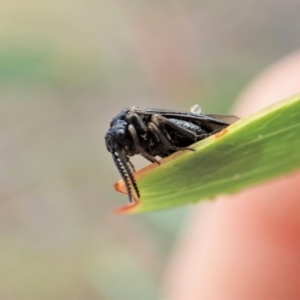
(196, 109)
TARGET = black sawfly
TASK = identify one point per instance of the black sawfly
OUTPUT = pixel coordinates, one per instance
(153, 132)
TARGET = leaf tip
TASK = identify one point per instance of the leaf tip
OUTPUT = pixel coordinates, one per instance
(128, 208)
(120, 187)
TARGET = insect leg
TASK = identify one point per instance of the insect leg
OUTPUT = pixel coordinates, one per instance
(138, 146)
(138, 122)
(159, 120)
(164, 141)
(130, 164)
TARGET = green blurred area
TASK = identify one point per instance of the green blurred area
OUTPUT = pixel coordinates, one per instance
(66, 68)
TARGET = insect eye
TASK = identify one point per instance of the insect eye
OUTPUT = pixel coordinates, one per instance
(120, 133)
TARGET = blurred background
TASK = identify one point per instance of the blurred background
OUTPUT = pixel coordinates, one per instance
(66, 68)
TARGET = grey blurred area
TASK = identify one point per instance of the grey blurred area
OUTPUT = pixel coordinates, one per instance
(66, 68)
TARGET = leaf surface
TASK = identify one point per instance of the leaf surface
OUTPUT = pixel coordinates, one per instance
(255, 149)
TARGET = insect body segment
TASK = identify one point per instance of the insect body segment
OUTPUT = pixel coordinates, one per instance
(156, 132)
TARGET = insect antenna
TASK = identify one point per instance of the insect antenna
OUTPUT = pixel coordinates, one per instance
(126, 173)
(128, 170)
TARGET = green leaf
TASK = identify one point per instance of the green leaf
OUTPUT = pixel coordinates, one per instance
(257, 148)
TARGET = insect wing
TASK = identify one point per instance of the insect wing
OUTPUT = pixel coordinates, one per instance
(210, 122)
(229, 119)
(187, 116)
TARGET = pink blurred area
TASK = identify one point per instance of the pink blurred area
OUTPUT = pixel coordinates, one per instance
(245, 246)
(66, 68)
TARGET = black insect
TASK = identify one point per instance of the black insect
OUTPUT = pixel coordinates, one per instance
(156, 132)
